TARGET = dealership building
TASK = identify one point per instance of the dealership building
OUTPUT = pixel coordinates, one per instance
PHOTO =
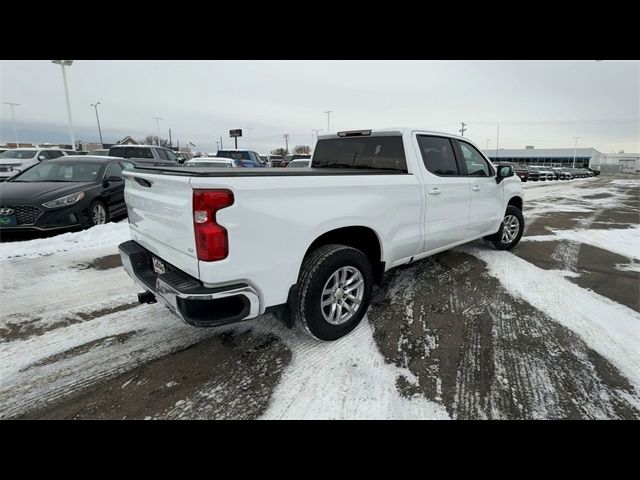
(565, 157)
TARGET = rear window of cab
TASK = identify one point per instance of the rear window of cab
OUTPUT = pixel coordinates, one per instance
(376, 153)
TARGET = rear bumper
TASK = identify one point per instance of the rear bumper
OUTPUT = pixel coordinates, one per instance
(186, 296)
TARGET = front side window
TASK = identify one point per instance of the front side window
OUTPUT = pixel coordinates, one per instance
(171, 156)
(113, 170)
(161, 153)
(437, 155)
(476, 164)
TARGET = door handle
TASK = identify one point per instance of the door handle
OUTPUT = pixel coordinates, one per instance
(434, 191)
(475, 188)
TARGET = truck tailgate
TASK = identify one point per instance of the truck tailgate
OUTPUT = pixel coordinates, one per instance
(161, 217)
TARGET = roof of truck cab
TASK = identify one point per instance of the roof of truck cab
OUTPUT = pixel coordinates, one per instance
(392, 131)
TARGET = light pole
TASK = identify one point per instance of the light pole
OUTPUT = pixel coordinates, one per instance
(250, 143)
(328, 112)
(574, 151)
(286, 139)
(67, 63)
(95, 105)
(488, 145)
(498, 141)
(157, 119)
(13, 117)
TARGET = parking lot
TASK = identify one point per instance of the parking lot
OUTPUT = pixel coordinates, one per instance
(548, 330)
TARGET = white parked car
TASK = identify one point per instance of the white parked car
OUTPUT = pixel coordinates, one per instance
(309, 244)
(215, 162)
(15, 160)
(302, 163)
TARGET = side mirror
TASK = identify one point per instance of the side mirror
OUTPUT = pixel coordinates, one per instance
(504, 171)
(41, 157)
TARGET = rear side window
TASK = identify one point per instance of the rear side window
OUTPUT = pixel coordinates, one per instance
(437, 155)
(171, 156)
(129, 152)
(161, 153)
(383, 153)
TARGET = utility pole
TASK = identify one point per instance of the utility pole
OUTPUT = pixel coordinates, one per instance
(13, 117)
(316, 130)
(221, 146)
(328, 112)
(95, 105)
(462, 129)
(157, 119)
(217, 145)
(170, 142)
(67, 63)
(286, 139)
(574, 151)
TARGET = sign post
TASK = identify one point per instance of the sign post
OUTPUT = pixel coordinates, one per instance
(235, 134)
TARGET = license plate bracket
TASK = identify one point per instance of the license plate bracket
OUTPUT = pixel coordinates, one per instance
(158, 266)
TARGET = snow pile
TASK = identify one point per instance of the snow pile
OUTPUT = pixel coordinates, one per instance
(345, 379)
(110, 234)
(607, 327)
(625, 241)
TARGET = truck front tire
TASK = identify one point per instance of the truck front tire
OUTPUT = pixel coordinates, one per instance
(511, 230)
(334, 291)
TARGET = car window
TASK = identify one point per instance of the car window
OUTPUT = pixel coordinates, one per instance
(171, 156)
(236, 155)
(161, 153)
(380, 153)
(130, 152)
(55, 154)
(477, 166)
(127, 165)
(437, 155)
(72, 171)
(113, 170)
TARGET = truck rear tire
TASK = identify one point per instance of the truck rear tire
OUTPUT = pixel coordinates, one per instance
(334, 291)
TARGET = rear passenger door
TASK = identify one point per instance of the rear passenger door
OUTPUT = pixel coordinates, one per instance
(487, 204)
(446, 191)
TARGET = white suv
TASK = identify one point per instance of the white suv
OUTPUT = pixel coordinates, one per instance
(16, 160)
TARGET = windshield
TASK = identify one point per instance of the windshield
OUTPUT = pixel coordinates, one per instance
(21, 154)
(77, 171)
(236, 155)
(384, 153)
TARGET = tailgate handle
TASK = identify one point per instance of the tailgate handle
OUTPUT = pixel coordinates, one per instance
(143, 182)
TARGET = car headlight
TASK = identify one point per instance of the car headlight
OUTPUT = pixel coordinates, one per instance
(65, 201)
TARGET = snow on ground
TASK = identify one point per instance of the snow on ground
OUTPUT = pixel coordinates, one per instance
(607, 327)
(624, 241)
(345, 379)
(98, 236)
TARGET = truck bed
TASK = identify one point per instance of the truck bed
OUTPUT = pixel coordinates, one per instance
(264, 172)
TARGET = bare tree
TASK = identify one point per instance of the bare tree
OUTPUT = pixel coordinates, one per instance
(153, 140)
(279, 151)
(306, 149)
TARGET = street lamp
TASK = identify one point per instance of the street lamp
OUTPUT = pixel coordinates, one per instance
(67, 63)
(157, 119)
(95, 105)
(13, 117)
(574, 151)
(328, 112)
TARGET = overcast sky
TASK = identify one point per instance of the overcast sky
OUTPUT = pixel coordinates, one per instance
(545, 104)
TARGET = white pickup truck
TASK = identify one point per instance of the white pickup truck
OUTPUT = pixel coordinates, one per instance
(218, 246)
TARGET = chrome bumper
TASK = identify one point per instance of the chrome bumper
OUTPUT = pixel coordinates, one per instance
(177, 301)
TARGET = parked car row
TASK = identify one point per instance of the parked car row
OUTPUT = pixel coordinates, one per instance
(543, 173)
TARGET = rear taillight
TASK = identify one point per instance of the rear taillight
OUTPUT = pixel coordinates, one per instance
(211, 239)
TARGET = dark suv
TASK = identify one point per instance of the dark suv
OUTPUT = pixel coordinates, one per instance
(145, 155)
